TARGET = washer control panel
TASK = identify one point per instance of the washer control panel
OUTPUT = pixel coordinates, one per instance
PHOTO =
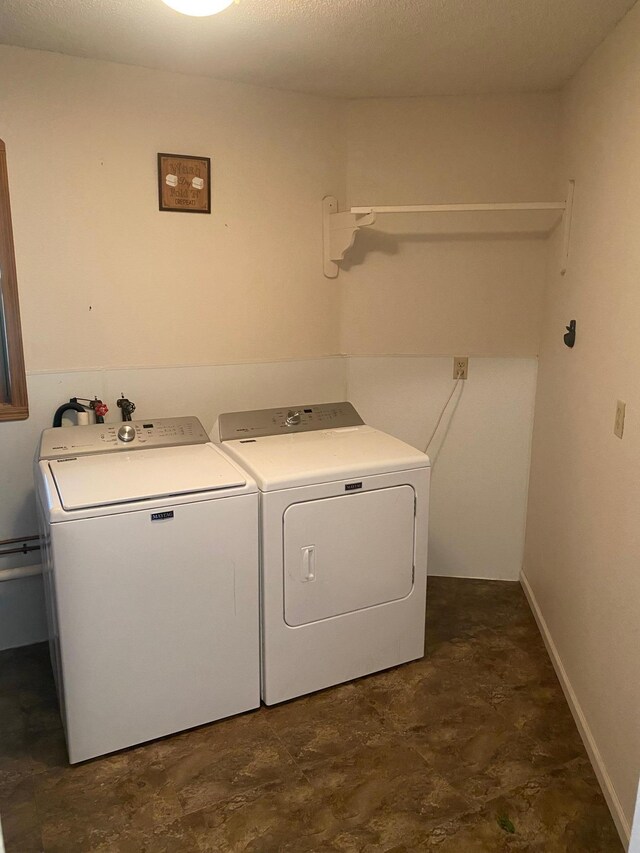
(131, 435)
(290, 419)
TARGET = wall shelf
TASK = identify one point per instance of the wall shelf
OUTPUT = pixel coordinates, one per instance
(340, 229)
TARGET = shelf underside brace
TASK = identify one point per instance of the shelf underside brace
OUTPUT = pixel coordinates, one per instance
(340, 229)
(339, 232)
(566, 226)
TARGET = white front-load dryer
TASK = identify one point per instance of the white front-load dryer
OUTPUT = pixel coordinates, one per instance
(150, 558)
(343, 526)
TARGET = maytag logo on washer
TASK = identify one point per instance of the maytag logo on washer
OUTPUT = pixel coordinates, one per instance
(159, 516)
(350, 487)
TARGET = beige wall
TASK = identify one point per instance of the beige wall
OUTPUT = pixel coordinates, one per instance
(105, 278)
(582, 556)
(409, 290)
(121, 283)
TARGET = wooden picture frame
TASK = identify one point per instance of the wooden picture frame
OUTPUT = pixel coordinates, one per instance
(184, 183)
(14, 405)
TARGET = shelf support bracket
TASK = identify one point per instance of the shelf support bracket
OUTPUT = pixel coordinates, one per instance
(566, 227)
(339, 232)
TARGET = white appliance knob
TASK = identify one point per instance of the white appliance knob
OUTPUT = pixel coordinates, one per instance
(293, 418)
(126, 433)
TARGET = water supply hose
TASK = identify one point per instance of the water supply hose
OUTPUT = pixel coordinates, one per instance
(66, 407)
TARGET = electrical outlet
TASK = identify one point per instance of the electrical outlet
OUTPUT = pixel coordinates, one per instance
(460, 366)
(618, 426)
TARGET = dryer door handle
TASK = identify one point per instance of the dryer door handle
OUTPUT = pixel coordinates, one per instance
(308, 563)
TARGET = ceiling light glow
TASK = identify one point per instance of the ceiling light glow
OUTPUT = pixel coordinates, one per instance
(198, 8)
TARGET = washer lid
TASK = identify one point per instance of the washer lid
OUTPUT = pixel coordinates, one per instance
(92, 481)
(285, 461)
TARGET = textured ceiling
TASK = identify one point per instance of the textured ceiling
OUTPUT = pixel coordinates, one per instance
(348, 48)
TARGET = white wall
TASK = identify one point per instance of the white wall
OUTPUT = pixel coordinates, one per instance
(582, 554)
(480, 453)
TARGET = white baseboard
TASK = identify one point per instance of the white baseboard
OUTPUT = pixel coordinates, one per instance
(18, 572)
(622, 824)
(468, 577)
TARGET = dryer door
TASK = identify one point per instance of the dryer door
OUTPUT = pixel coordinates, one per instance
(348, 552)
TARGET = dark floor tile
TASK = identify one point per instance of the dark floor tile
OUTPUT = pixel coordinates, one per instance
(19, 815)
(12, 717)
(562, 811)
(517, 662)
(215, 762)
(540, 712)
(15, 763)
(477, 832)
(25, 668)
(173, 838)
(287, 816)
(101, 802)
(385, 794)
(456, 676)
(24, 754)
(425, 756)
(458, 608)
(483, 762)
(32, 739)
(40, 710)
(325, 724)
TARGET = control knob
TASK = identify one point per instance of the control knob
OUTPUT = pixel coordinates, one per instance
(126, 433)
(293, 418)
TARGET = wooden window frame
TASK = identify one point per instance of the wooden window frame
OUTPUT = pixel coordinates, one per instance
(17, 406)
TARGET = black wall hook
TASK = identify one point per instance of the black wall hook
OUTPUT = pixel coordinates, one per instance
(570, 337)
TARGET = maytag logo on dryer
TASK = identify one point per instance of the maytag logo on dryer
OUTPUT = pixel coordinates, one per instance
(351, 487)
(160, 516)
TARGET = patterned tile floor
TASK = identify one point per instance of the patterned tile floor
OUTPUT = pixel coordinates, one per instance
(433, 755)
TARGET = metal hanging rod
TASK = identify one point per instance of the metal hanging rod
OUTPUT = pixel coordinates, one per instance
(457, 208)
(23, 549)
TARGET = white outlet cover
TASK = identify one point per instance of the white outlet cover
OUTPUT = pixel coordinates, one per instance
(463, 361)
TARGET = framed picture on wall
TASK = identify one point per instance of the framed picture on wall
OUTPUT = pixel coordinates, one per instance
(184, 183)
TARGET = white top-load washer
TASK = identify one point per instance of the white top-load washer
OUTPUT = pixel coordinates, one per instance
(150, 554)
(343, 524)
